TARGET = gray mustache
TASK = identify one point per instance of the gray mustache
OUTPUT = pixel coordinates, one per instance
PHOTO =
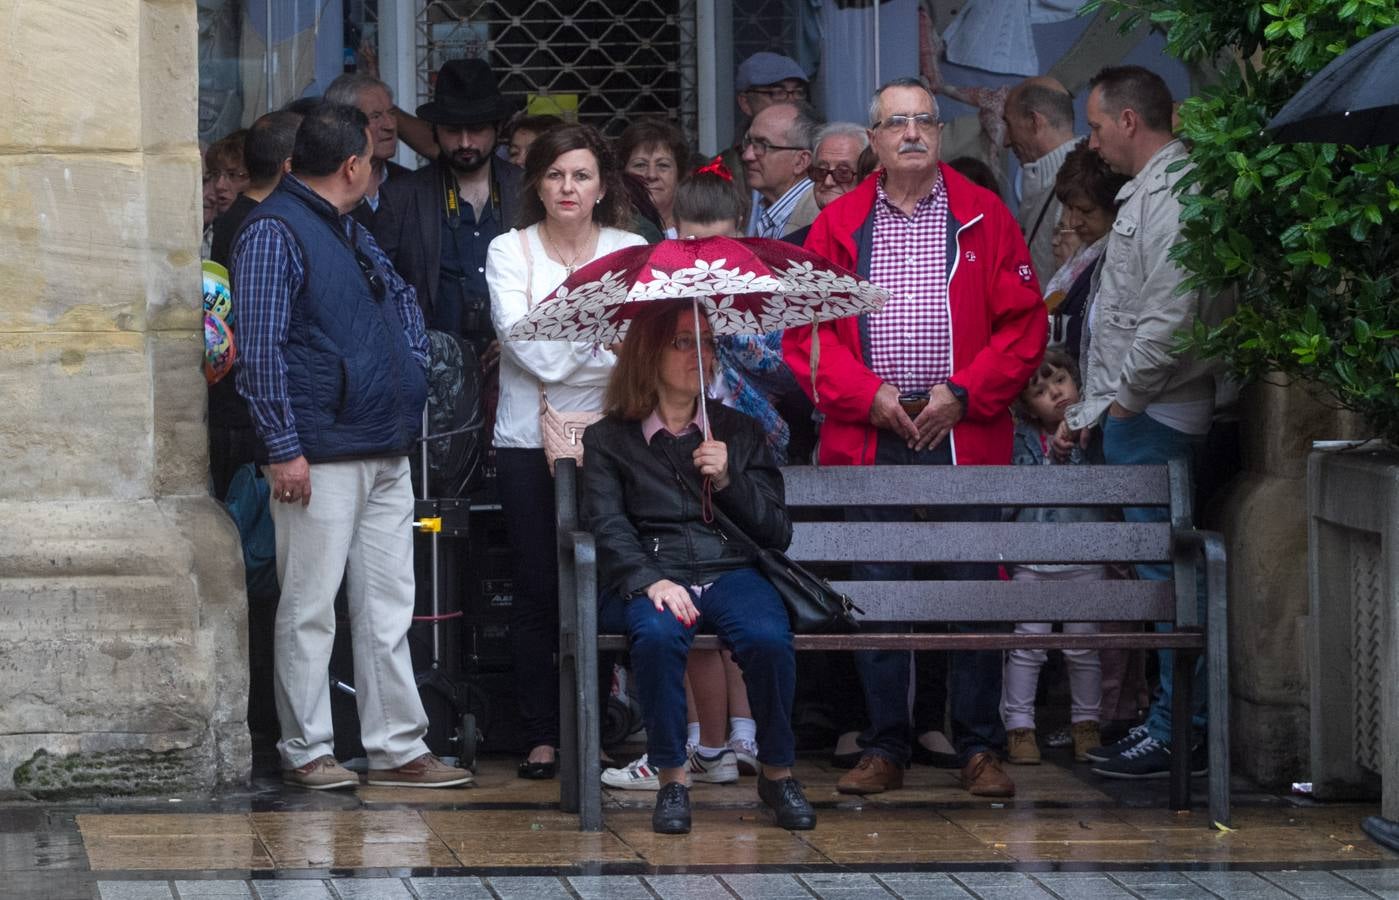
(913, 147)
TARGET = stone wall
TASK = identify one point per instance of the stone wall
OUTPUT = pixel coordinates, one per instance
(1264, 519)
(122, 616)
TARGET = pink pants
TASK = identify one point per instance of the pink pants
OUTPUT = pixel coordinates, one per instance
(1022, 669)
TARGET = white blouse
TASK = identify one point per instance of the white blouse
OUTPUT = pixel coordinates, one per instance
(574, 374)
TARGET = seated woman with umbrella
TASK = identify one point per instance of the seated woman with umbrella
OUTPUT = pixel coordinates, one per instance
(679, 493)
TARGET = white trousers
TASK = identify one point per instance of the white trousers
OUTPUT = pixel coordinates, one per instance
(1022, 671)
(358, 526)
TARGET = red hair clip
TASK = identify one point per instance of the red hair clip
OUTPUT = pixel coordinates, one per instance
(716, 167)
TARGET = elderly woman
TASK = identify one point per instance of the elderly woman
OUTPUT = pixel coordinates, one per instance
(669, 570)
(571, 208)
(1088, 190)
(654, 151)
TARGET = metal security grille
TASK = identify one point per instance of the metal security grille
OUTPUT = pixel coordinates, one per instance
(762, 25)
(622, 58)
(1368, 646)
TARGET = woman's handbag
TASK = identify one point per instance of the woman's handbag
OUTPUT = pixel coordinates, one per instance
(560, 431)
(813, 605)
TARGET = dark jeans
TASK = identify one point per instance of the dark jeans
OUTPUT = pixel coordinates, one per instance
(744, 610)
(973, 676)
(1141, 440)
(527, 502)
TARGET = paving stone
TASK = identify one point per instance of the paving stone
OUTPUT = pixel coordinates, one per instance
(1234, 884)
(687, 887)
(211, 890)
(1002, 886)
(134, 890)
(840, 884)
(530, 888)
(370, 889)
(302, 889)
(766, 887)
(450, 889)
(1381, 882)
(1162, 885)
(1083, 886)
(609, 887)
(1316, 885)
(922, 886)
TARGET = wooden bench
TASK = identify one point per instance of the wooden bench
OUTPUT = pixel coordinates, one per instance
(818, 497)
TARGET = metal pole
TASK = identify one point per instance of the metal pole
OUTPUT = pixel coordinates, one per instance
(875, 6)
(706, 70)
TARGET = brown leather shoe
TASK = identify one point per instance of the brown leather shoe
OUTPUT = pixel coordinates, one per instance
(872, 775)
(984, 777)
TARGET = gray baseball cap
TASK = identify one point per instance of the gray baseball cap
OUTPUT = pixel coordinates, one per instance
(767, 68)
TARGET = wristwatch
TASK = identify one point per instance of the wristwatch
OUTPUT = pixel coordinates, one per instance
(959, 392)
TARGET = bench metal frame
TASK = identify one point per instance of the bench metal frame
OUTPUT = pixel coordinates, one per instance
(832, 539)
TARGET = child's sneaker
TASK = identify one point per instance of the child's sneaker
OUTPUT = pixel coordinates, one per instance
(747, 753)
(637, 776)
(1021, 748)
(1086, 738)
(1133, 737)
(721, 768)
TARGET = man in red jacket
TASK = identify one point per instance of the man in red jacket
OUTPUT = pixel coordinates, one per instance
(926, 381)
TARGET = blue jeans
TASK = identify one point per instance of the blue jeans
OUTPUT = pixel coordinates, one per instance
(744, 610)
(973, 676)
(1141, 440)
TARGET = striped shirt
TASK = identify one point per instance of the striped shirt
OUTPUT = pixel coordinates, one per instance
(269, 271)
(771, 221)
(911, 337)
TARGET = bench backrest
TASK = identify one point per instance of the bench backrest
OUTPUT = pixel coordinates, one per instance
(818, 498)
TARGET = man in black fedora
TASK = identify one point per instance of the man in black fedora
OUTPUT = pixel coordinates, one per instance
(436, 223)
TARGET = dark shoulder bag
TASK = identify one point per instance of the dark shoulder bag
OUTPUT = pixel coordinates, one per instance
(813, 605)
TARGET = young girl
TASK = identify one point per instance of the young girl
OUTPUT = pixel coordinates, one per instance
(1039, 410)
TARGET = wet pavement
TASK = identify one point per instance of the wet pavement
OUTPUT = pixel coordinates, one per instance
(1067, 834)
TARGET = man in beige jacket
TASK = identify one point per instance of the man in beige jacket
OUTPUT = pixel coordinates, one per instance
(1153, 403)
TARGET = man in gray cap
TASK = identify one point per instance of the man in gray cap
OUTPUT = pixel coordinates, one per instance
(762, 80)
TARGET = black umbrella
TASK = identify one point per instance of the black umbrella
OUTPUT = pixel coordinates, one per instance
(1354, 100)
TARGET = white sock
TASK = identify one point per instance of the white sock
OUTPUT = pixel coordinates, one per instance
(692, 733)
(741, 729)
(710, 752)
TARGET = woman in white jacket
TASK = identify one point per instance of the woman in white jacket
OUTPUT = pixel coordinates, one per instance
(573, 210)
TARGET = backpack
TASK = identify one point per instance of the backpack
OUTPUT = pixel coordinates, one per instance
(249, 505)
(455, 416)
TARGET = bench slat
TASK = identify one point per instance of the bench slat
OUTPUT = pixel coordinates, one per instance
(1147, 640)
(976, 486)
(998, 542)
(1018, 601)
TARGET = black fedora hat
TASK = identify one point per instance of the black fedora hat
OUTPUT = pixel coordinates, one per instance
(466, 93)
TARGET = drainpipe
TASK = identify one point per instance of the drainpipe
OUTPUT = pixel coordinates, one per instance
(706, 69)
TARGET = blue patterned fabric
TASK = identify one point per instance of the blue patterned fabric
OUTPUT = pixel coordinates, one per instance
(753, 367)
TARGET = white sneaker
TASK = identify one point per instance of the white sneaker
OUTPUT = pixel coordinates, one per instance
(636, 776)
(721, 769)
(747, 753)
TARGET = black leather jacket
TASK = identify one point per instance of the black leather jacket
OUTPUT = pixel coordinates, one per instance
(648, 526)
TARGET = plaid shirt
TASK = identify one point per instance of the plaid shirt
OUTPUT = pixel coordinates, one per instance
(911, 337)
(269, 272)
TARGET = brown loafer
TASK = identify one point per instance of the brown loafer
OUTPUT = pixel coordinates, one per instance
(872, 775)
(984, 777)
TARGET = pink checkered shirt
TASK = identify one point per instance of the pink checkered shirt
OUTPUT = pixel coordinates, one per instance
(911, 337)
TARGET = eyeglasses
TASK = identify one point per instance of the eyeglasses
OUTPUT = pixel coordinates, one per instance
(685, 343)
(230, 174)
(371, 275)
(843, 174)
(779, 93)
(924, 121)
(762, 146)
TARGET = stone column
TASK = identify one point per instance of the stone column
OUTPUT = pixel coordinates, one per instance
(1263, 516)
(123, 623)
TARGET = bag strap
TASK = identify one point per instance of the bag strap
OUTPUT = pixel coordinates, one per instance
(725, 523)
(529, 302)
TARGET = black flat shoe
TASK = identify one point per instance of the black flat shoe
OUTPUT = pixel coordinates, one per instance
(1384, 832)
(539, 771)
(672, 814)
(787, 802)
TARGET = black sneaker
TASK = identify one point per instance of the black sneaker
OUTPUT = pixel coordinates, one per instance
(1150, 759)
(1112, 751)
(672, 814)
(787, 802)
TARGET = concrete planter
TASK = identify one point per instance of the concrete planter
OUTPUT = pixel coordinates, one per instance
(1353, 638)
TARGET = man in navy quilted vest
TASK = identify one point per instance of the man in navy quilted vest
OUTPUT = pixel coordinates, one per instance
(333, 360)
